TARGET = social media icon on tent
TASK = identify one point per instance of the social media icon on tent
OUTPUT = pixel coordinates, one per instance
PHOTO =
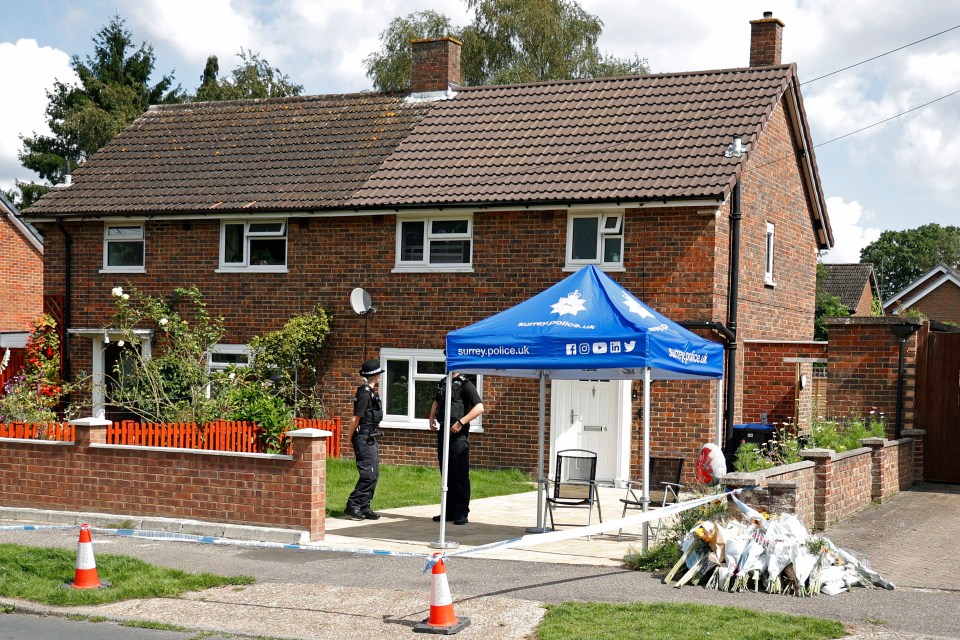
(571, 349)
(615, 347)
(630, 345)
(584, 348)
(599, 347)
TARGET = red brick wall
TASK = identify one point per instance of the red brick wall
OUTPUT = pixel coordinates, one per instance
(273, 491)
(941, 304)
(771, 373)
(21, 279)
(863, 367)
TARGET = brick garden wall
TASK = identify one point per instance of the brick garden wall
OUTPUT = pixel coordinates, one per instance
(90, 476)
(771, 373)
(827, 487)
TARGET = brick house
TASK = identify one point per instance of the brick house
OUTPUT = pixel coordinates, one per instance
(21, 271)
(936, 294)
(451, 204)
(854, 283)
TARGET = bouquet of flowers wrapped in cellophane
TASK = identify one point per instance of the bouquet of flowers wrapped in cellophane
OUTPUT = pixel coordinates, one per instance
(769, 553)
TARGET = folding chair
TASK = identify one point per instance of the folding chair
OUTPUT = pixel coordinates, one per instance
(574, 483)
(665, 474)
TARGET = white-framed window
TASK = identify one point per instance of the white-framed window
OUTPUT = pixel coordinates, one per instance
(123, 247)
(435, 243)
(595, 238)
(256, 246)
(224, 356)
(409, 386)
(768, 255)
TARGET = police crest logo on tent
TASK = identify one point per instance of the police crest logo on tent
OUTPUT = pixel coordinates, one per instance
(572, 304)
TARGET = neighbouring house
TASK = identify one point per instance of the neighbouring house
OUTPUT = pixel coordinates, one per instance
(936, 294)
(21, 286)
(854, 283)
(697, 191)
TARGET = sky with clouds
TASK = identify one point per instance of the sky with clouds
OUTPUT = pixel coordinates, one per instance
(897, 175)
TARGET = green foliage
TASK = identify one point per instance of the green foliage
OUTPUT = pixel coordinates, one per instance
(253, 78)
(35, 394)
(171, 385)
(114, 90)
(900, 257)
(38, 575)
(677, 621)
(292, 356)
(245, 397)
(827, 306)
(392, 67)
(783, 448)
(508, 41)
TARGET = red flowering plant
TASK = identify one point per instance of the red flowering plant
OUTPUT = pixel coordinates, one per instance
(34, 394)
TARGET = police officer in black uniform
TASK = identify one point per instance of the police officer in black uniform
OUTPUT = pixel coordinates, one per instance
(364, 431)
(465, 405)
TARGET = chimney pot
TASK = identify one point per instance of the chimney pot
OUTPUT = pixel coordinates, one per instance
(436, 65)
(766, 40)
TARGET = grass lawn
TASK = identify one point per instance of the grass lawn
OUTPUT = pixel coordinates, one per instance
(666, 621)
(405, 486)
(37, 574)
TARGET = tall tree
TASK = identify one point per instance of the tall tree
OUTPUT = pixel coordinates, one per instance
(114, 90)
(253, 78)
(900, 257)
(508, 41)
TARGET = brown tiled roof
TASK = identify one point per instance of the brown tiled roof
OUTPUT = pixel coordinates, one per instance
(628, 139)
(611, 139)
(248, 155)
(847, 282)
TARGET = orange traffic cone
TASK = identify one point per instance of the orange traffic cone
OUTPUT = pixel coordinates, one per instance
(442, 619)
(85, 576)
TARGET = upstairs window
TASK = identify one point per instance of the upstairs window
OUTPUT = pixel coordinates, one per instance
(768, 259)
(223, 356)
(595, 238)
(257, 246)
(435, 243)
(123, 247)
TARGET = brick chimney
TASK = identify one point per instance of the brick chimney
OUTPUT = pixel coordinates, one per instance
(766, 38)
(436, 65)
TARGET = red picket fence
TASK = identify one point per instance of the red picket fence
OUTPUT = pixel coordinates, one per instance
(60, 432)
(222, 435)
(13, 367)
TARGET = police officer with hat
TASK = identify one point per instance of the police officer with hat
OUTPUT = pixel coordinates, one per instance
(364, 431)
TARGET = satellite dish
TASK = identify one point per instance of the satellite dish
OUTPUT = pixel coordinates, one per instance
(360, 301)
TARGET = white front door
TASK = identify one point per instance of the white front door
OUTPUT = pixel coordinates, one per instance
(589, 414)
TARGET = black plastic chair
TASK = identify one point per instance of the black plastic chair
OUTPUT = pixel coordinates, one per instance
(574, 483)
(665, 486)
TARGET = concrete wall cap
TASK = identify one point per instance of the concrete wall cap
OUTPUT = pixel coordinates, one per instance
(817, 453)
(91, 422)
(309, 433)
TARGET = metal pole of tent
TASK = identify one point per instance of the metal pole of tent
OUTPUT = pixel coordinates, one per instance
(443, 543)
(646, 453)
(720, 412)
(541, 525)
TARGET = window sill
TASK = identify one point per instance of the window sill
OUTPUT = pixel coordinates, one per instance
(458, 268)
(252, 270)
(124, 270)
(770, 284)
(422, 426)
(607, 268)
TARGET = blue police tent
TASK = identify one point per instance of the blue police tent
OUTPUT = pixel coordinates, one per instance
(585, 326)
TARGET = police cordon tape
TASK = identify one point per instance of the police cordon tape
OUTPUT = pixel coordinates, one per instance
(529, 540)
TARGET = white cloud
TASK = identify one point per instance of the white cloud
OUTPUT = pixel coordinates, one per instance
(849, 233)
(24, 108)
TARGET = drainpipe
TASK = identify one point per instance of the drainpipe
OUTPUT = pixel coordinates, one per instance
(67, 273)
(732, 310)
(902, 331)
